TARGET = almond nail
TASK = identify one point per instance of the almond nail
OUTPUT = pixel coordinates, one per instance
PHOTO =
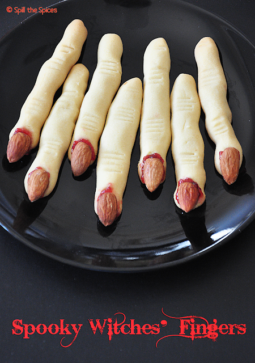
(229, 164)
(153, 173)
(188, 195)
(37, 184)
(107, 208)
(81, 158)
(18, 146)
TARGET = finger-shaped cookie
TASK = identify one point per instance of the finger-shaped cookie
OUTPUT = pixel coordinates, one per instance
(187, 144)
(212, 87)
(42, 176)
(155, 133)
(96, 103)
(26, 133)
(115, 149)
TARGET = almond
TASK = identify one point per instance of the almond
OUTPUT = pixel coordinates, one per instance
(81, 158)
(229, 164)
(37, 184)
(153, 173)
(18, 146)
(188, 195)
(107, 208)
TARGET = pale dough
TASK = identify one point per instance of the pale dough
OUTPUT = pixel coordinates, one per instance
(212, 87)
(155, 132)
(187, 142)
(118, 139)
(51, 76)
(104, 85)
(57, 131)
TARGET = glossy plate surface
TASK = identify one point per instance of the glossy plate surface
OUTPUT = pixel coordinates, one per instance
(151, 231)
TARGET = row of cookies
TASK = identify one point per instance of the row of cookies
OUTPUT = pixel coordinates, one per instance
(157, 132)
(61, 132)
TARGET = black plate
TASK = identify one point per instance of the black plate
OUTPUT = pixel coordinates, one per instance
(151, 231)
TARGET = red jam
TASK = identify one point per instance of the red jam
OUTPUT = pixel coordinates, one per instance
(189, 180)
(93, 156)
(155, 155)
(221, 152)
(38, 167)
(26, 132)
(108, 189)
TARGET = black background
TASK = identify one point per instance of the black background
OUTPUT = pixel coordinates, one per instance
(218, 286)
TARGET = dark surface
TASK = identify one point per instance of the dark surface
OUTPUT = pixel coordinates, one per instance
(218, 285)
(151, 231)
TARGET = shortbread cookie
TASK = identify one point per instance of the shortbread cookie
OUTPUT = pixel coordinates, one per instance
(26, 133)
(42, 176)
(187, 144)
(116, 145)
(212, 87)
(96, 103)
(155, 133)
